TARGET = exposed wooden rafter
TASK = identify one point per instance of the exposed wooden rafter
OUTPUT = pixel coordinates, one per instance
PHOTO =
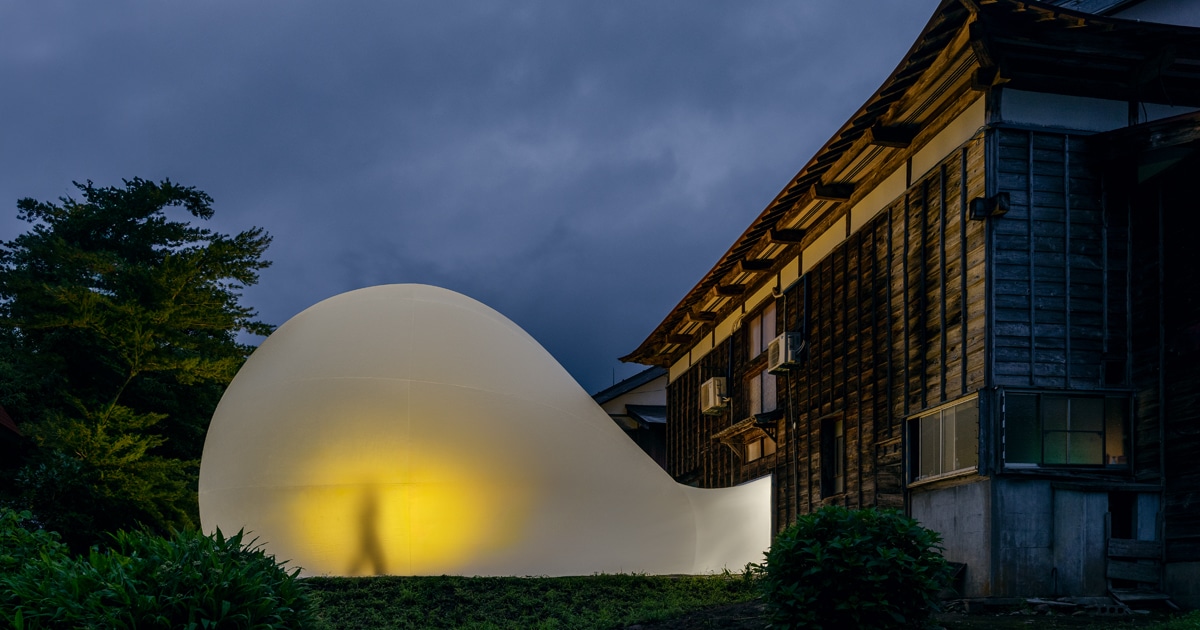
(730, 290)
(839, 191)
(754, 265)
(896, 136)
(788, 235)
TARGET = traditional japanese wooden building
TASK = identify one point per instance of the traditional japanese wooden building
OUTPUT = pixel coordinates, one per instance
(976, 303)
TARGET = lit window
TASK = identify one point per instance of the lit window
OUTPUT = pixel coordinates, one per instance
(1060, 430)
(944, 441)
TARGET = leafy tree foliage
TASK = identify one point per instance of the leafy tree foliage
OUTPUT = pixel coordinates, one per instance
(118, 332)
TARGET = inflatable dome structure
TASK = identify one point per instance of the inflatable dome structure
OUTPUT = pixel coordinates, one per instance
(410, 430)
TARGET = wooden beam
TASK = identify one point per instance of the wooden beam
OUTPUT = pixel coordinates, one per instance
(981, 43)
(730, 290)
(702, 316)
(681, 340)
(987, 77)
(754, 265)
(787, 235)
(897, 136)
(833, 192)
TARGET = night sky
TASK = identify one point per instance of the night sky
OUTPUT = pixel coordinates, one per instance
(578, 166)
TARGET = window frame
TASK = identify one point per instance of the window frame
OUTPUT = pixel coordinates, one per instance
(833, 456)
(757, 339)
(761, 440)
(1122, 398)
(913, 433)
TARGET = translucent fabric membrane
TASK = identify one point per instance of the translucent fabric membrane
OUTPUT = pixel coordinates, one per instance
(410, 430)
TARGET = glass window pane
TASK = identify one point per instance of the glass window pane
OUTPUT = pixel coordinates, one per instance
(1054, 413)
(931, 440)
(1115, 410)
(1086, 448)
(1055, 448)
(947, 419)
(1087, 414)
(770, 394)
(768, 326)
(966, 435)
(1022, 435)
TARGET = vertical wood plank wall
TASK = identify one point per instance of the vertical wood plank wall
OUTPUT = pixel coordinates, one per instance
(1165, 281)
(1059, 302)
(894, 320)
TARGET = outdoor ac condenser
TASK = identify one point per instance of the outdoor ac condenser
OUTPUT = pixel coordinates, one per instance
(784, 352)
(713, 397)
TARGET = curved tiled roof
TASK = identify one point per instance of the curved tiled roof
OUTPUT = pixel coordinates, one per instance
(1028, 45)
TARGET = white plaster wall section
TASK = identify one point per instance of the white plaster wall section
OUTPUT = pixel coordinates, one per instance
(760, 296)
(680, 366)
(702, 348)
(790, 273)
(726, 327)
(961, 129)
(824, 244)
(1156, 111)
(875, 201)
(1067, 112)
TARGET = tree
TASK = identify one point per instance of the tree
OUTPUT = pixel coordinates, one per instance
(121, 327)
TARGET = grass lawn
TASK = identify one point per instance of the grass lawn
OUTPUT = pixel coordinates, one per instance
(610, 602)
(575, 603)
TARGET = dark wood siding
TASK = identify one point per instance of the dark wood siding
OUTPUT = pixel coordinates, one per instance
(894, 323)
(1056, 291)
(1167, 345)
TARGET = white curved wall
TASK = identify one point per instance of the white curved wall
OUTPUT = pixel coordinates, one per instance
(407, 429)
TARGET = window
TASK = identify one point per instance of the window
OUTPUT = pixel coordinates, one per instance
(761, 331)
(833, 456)
(1064, 430)
(759, 448)
(761, 393)
(944, 441)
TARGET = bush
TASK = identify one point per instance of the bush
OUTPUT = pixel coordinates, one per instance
(186, 581)
(22, 541)
(840, 568)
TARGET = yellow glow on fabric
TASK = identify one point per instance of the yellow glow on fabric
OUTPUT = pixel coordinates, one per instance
(406, 515)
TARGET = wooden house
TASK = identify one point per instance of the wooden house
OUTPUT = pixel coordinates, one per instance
(638, 405)
(975, 303)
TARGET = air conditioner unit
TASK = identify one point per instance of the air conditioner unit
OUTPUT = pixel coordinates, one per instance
(713, 398)
(784, 352)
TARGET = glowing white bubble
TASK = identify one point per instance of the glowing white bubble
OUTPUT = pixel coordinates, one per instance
(410, 430)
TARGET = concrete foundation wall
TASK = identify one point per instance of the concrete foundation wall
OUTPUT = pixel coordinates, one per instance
(961, 515)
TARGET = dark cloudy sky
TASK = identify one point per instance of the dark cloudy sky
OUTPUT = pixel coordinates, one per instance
(577, 166)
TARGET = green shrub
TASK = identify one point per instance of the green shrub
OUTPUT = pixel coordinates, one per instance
(186, 581)
(21, 540)
(840, 568)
